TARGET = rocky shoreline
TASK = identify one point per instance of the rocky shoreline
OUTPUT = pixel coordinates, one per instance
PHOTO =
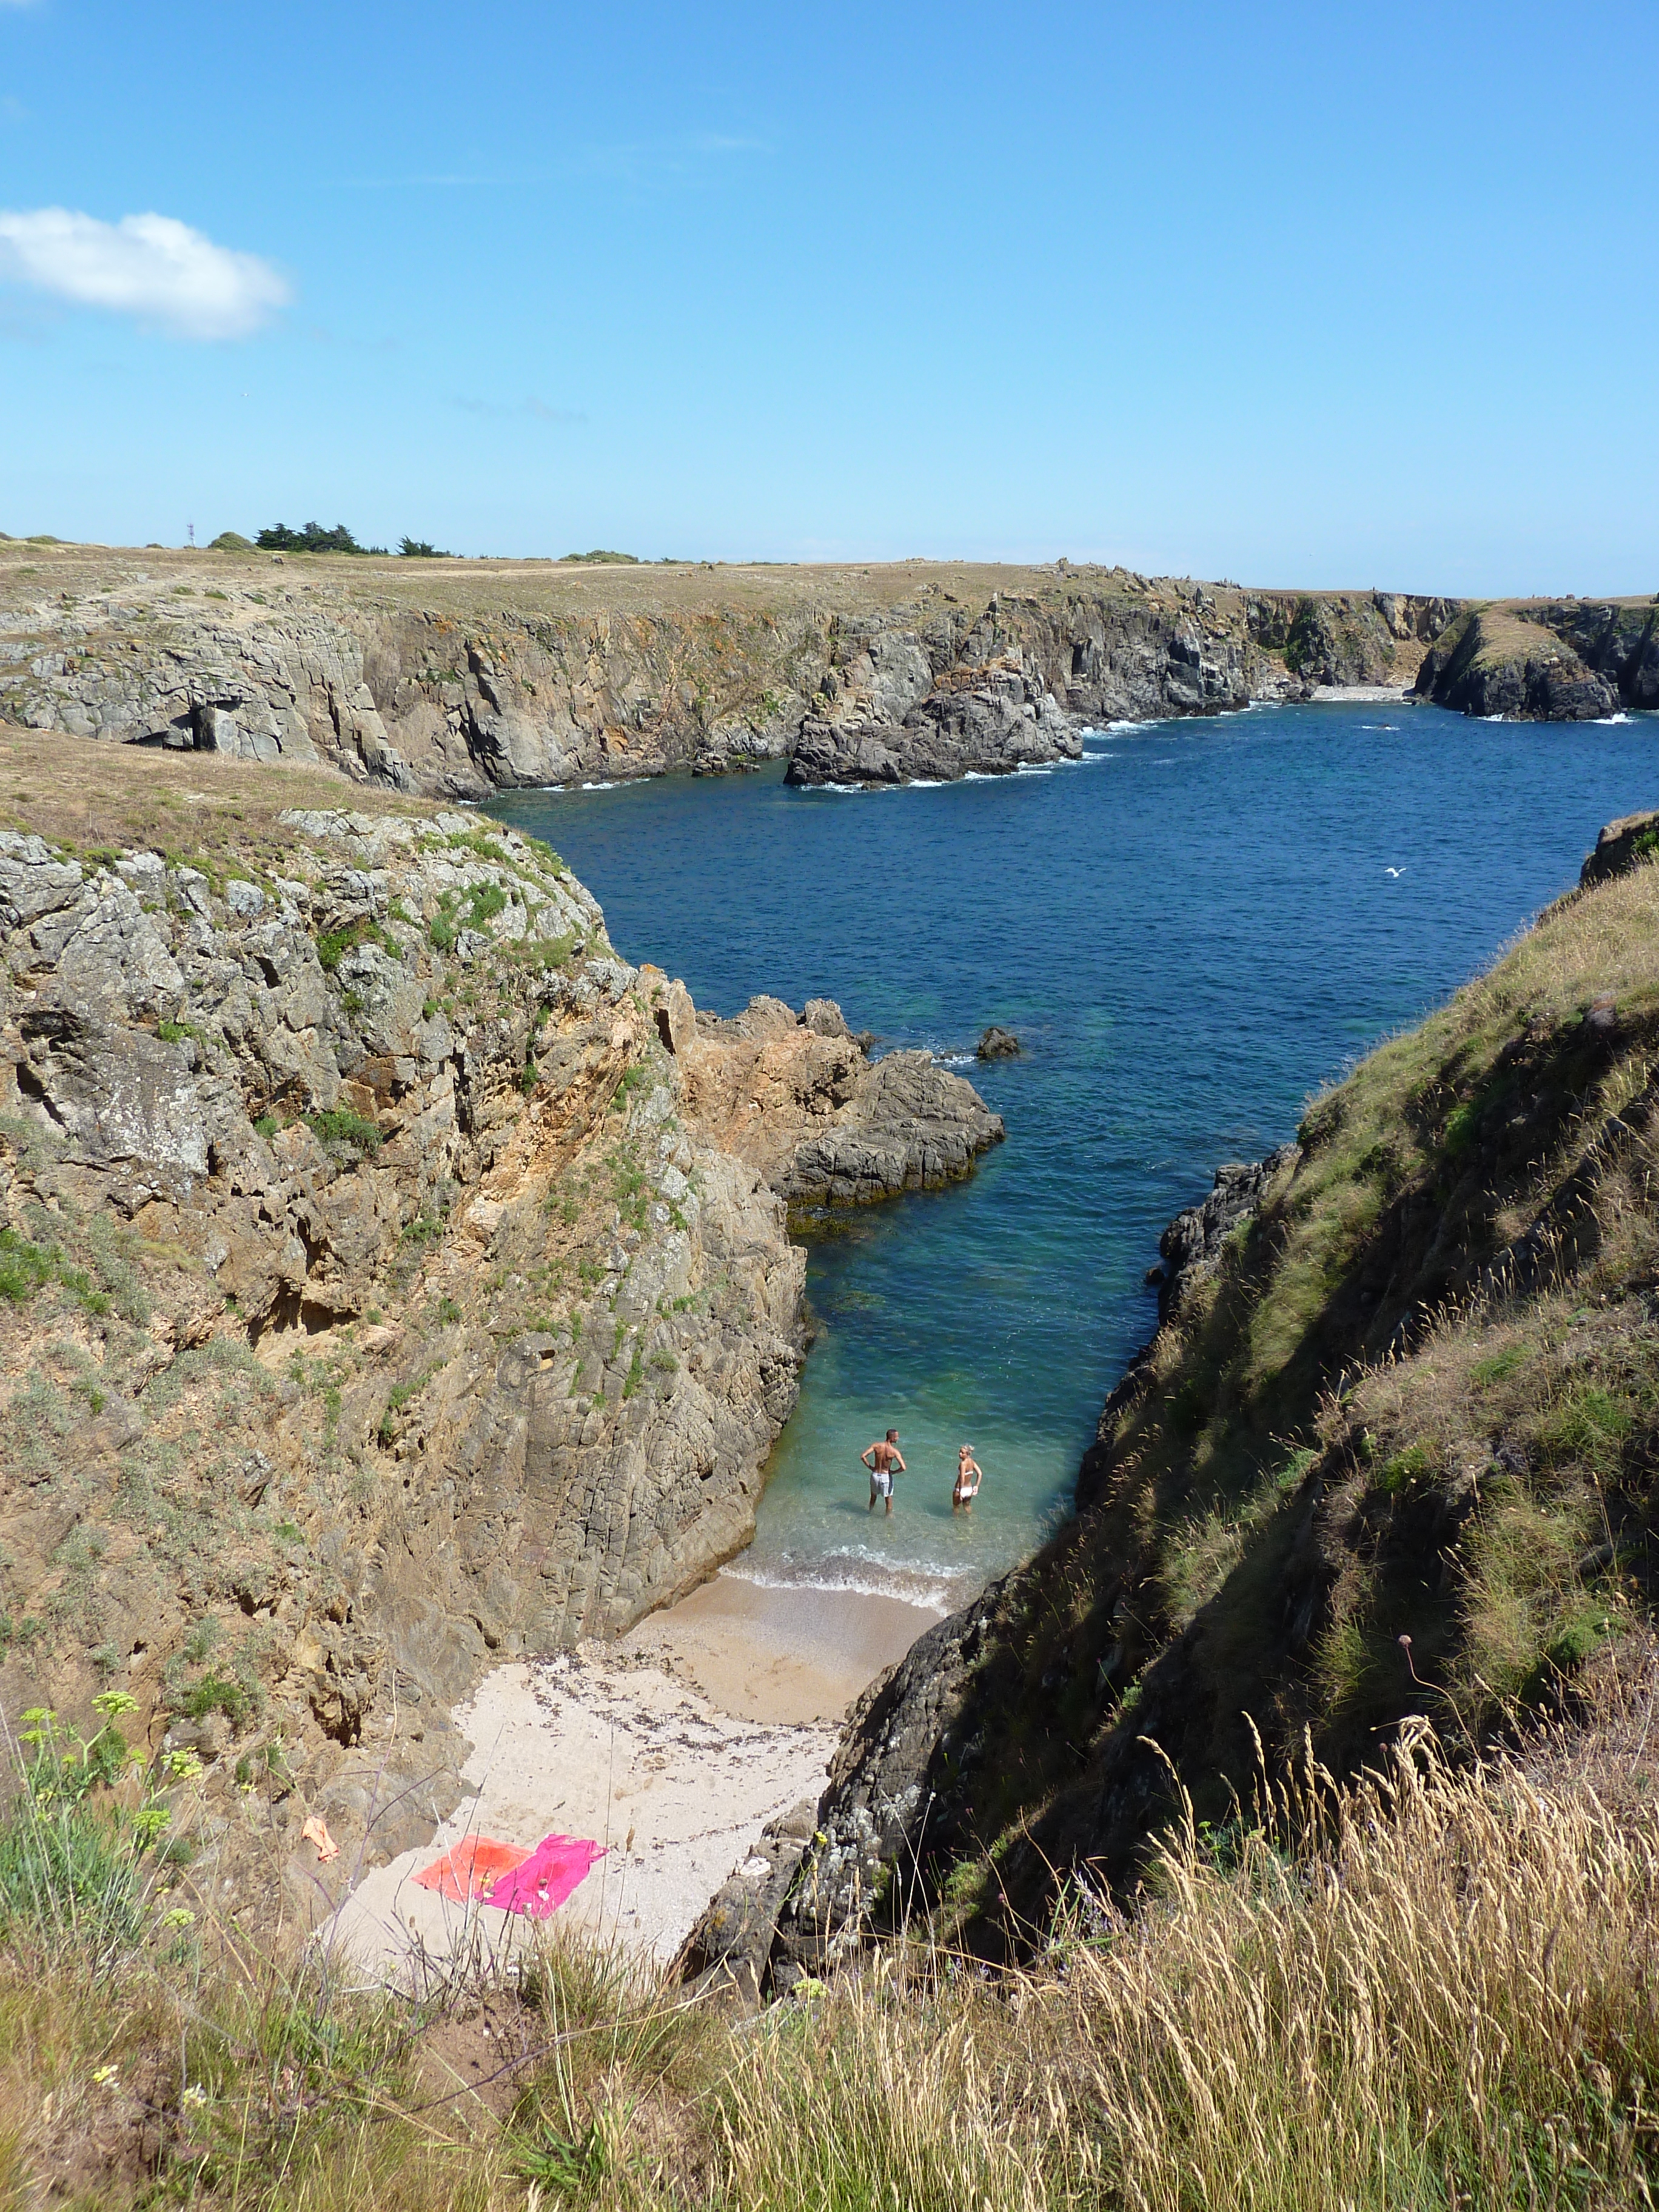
(457, 679)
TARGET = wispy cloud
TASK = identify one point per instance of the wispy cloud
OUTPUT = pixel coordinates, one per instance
(151, 266)
(416, 182)
(695, 159)
(500, 410)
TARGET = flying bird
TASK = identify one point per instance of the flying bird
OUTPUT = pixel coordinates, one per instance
(1393, 871)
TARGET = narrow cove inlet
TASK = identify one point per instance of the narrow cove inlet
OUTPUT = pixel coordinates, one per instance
(1188, 930)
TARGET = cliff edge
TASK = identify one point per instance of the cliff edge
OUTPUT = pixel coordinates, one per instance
(387, 1285)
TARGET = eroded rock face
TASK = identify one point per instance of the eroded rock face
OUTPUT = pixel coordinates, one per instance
(798, 1099)
(982, 722)
(376, 1305)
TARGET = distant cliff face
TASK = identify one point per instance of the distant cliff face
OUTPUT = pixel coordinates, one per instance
(1558, 661)
(311, 662)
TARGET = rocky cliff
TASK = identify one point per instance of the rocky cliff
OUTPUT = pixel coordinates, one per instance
(1547, 661)
(1388, 1459)
(388, 1281)
(456, 679)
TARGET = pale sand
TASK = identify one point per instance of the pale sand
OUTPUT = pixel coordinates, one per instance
(674, 1748)
(1361, 695)
(768, 1654)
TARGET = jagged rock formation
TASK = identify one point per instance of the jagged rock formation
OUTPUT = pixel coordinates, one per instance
(798, 1098)
(983, 721)
(1618, 640)
(1190, 1250)
(1502, 662)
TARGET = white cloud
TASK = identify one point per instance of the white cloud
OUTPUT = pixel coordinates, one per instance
(148, 265)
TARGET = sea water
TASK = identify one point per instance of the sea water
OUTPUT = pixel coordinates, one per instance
(1189, 931)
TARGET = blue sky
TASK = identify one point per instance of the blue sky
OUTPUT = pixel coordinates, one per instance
(1292, 294)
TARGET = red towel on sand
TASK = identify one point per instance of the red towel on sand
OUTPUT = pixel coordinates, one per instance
(541, 1884)
(470, 1868)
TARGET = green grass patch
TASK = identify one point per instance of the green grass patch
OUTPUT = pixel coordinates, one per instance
(339, 1125)
(335, 944)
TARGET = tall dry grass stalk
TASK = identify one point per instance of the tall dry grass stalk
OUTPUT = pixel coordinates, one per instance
(1435, 1989)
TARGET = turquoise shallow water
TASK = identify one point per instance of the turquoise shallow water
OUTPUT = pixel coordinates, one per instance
(1190, 930)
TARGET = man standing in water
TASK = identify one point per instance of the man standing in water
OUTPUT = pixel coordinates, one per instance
(883, 1460)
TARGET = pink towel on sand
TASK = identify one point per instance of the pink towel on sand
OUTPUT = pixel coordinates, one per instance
(541, 1885)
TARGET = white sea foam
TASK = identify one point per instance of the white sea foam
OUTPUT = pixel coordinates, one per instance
(925, 783)
(932, 1587)
(1612, 721)
(598, 787)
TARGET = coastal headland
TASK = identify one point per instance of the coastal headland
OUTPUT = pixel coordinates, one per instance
(454, 679)
(393, 1281)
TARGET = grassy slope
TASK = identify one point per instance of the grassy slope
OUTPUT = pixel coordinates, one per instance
(1420, 1398)
(1431, 1991)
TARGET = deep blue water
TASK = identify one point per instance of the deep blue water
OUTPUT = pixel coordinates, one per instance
(1190, 931)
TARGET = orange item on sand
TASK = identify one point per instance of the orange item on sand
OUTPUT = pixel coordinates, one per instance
(315, 1831)
(472, 1868)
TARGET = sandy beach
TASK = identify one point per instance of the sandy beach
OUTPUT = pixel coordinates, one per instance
(673, 1748)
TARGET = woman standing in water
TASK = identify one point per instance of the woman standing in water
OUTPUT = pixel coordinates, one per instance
(969, 1479)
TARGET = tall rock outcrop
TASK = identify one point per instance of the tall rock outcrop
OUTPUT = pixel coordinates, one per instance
(392, 1278)
(1503, 662)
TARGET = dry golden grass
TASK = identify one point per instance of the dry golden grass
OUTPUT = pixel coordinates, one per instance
(1432, 1988)
(94, 795)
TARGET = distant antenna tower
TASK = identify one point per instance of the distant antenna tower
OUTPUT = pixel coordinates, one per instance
(190, 531)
